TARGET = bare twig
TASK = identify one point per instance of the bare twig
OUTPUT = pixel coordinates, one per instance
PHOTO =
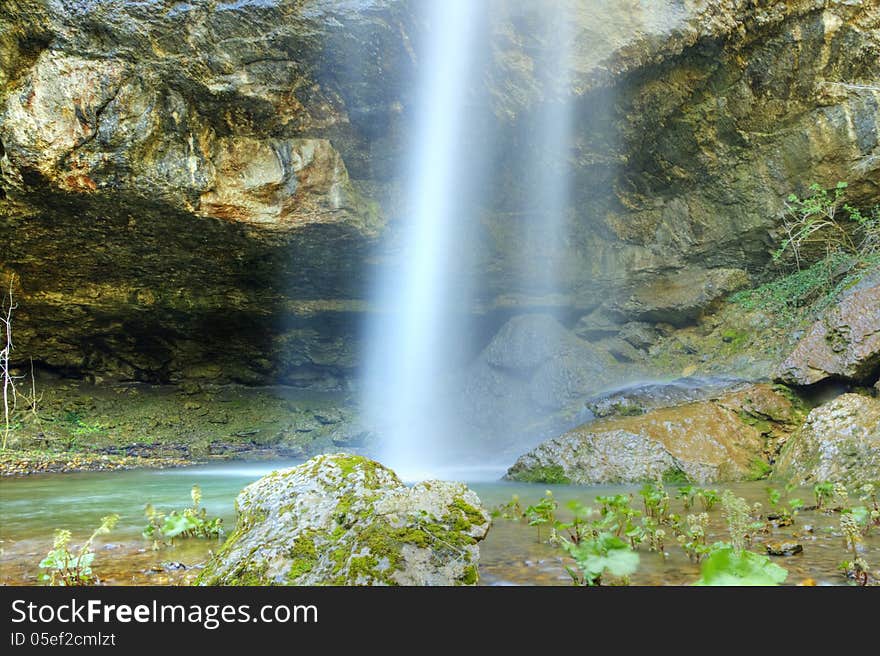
(10, 397)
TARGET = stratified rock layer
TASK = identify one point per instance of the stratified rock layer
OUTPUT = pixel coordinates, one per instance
(197, 190)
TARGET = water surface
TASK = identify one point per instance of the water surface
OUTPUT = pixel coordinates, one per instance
(32, 508)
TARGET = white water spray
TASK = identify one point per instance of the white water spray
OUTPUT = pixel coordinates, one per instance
(546, 186)
(413, 340)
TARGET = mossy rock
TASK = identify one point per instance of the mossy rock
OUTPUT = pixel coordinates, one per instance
(839, 442)
(725, 438)
(346, 520)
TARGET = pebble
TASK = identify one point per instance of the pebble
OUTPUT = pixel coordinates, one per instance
(784, 548)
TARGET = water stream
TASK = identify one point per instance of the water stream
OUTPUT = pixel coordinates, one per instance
(32, 508)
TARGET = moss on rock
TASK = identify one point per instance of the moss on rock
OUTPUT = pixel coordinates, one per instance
(346, 520)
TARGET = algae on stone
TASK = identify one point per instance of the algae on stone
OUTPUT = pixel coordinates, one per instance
(346, 520)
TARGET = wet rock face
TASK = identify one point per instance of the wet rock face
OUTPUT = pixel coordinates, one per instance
(531, 368)
(196, 191)
(844, 343)
(723, 439)
(680, 298)
(346, 520)
(839, 442)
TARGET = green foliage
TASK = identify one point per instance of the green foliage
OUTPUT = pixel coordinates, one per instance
(549, 475)
(191, 522)
(828, 244)
(759, 469)
(656, 501)
(743, 522)
(823, 493)
(67, 568)
(692, 536)
(542, 512)
(708, 497)
(604, 554)
(727, 565)
(511, 510)
(868, 494)
(855, 567)
(785, 509)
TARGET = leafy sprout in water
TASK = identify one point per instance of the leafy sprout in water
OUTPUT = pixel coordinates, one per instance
(192, 522)
(68, 568)
(542, 512)
(603, 555)
(727, 565)
(855, 567)
(656, 500)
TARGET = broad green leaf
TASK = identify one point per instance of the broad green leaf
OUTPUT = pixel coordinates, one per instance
(728, 566)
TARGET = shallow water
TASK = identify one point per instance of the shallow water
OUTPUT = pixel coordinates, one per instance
(32, 508)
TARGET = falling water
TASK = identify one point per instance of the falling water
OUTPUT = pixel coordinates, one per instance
(413, 340)
(545, 185)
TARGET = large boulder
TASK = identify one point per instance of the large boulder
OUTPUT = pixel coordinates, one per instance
(840, 442)
(843, 343)
(347, 520)
(723, 439)
(532, 368)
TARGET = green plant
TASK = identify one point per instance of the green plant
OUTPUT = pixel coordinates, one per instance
(653, 534)
(823, 493)
(692, 536)
(511, 510)
(542, 512)
(855, 567)
(743, 522)
(818, 225)
(687, 494)
(68, 568)
(708, 498)
(604, 554)
(192, 522)
(577, 528)
(656, 501)
(868, 492)
(784, 511)
(727, 565)
(839, 497)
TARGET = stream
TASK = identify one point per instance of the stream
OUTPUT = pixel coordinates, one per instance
(31, 508)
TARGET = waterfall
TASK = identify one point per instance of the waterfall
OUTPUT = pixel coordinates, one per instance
(412, 339)
(418, 336)
(546, 176)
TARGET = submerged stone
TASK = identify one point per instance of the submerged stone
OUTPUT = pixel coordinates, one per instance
(784, 548)
(346, 520)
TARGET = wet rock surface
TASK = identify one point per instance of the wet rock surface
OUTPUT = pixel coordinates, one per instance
(195, 192)
(843, 343)
(722, 439)
(839, 442)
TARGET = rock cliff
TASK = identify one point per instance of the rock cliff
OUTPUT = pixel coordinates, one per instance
(197, 190)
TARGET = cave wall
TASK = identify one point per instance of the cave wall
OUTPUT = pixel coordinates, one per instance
(205, 190)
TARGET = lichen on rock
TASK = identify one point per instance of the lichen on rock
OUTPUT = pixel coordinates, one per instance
(346, 520)
(720, 439)
(839, 442)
